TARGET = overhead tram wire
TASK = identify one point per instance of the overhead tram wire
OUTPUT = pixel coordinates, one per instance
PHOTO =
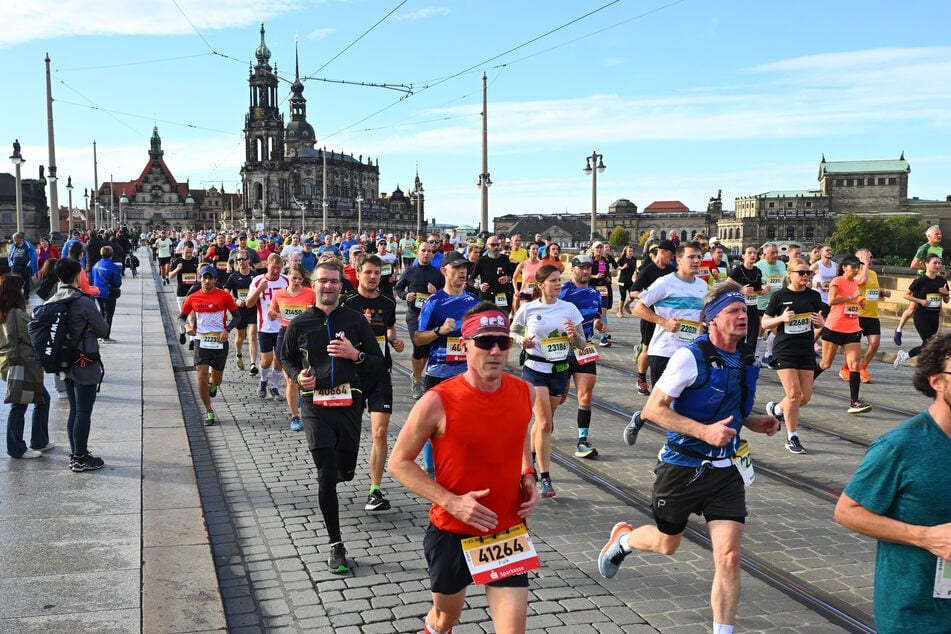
(360, 37)
(426, 85)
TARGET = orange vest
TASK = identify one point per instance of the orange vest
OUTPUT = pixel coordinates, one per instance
(482, 448)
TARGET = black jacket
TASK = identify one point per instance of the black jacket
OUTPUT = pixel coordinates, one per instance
(305, 346)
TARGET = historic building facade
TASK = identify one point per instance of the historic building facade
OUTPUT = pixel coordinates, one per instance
(284, 174)
(872, 188)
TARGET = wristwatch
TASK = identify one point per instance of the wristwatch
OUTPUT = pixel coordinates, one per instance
(436, 331)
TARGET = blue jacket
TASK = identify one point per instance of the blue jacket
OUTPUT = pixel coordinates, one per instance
(106, 273)
(30, 253)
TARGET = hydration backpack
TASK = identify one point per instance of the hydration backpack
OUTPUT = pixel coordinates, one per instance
(50, 336)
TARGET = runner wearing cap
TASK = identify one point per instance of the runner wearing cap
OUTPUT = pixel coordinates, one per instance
(582, 362)
(209, 306)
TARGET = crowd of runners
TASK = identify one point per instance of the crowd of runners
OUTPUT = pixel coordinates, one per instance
(318, 313)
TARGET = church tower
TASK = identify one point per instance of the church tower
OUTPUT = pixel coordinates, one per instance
(298, 134)
(264, 176)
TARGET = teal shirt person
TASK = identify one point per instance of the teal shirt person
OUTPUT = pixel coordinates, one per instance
(905, 476)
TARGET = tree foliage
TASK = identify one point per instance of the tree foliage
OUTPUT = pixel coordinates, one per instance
(893, 237)
(619, 237)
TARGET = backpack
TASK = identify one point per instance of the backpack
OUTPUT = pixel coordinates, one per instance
(50, 336)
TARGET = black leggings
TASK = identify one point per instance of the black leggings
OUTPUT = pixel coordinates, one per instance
(926, 323)
(333, 466)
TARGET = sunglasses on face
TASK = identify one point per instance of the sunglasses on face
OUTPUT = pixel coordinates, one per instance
(487, 342)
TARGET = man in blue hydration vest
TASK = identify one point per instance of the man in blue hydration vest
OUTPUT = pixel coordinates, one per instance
(703, 400)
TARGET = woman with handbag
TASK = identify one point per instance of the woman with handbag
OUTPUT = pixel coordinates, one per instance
(22, 372)
(84, 325)
(107, 277)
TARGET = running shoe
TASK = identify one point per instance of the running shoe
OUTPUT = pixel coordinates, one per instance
(772, 409)
(337, 562)
(85, 462)
(844, 373)
(585, 450)
(897, 338)
(863, 373)
(262, 391)
(548, 491)
(794, 446)
(611, 556)
(901, 359)
(209, 419)
(767, 362)
(239, 361)
(417, 390)
(253, 370)
(191, 344)
(295, 424)
(633, 428)
(642, 387)
(858, 407)
(276, 394)
(605, 341)
(212, 390)
(376, 502)
(181, 337)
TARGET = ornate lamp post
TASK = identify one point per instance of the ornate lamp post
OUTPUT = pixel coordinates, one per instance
(594, 165)
(359, 201)
(69, 214)
(17, 159)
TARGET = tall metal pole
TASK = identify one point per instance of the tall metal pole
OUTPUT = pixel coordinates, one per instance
(323, 226)
(112, 201)
(484, 180)
(54, 197)
(359, 215)
(95, 186)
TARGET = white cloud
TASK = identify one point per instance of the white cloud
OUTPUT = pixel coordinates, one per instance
(320, 34)
(422, 14)
(40, 19)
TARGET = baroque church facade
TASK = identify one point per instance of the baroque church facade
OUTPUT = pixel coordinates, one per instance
(285, 174)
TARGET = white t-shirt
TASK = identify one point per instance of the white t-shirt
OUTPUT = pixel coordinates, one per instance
(823, 278)
(672, 297)
(546, 322)
(264, 301)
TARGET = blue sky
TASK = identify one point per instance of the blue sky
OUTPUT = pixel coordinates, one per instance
(681, 97)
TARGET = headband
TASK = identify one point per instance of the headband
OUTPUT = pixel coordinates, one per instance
(713, 309)
(486, 322)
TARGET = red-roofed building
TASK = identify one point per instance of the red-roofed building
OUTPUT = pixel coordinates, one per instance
(666, 207)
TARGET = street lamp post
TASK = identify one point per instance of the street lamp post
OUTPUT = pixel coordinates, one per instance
(594, 165)
(359, 200)
(86, 196)
(17, 159)
(69, 213)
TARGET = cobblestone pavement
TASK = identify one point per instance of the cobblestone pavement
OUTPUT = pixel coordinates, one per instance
(259, 492)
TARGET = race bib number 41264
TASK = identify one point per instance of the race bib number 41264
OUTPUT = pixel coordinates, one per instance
(502, 555)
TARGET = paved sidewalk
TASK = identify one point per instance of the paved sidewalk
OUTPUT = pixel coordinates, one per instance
(123, 549)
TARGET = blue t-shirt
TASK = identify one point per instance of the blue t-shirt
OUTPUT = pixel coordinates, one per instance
(588, 301)
(905, 476)
(436, 309)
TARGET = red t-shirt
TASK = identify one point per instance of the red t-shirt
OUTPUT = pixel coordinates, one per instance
(210, 309)
(481, 451)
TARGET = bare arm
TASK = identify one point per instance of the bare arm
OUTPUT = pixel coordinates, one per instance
(854, 516)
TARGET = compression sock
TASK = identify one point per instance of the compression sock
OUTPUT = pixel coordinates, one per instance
(584, 420)
(855, 381)
(265, 374)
